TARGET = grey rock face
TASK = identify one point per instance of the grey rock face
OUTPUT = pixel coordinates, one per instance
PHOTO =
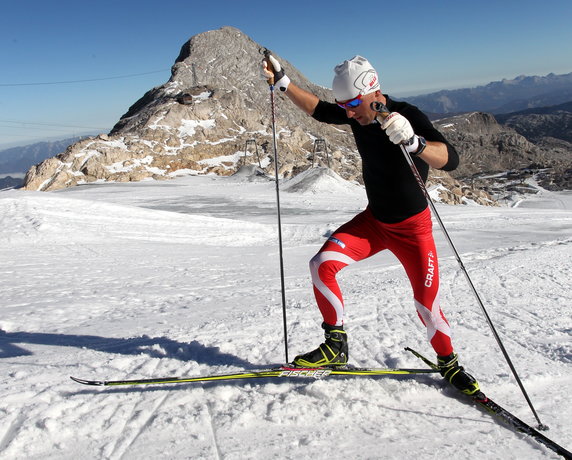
(484, 145)
(498, 160)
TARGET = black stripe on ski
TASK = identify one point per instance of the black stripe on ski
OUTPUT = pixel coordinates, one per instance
(505, 416)
(277, 372)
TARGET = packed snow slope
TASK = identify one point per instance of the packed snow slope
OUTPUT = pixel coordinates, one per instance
(182, 278)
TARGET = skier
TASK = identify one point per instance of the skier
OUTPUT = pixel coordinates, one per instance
(397, 217)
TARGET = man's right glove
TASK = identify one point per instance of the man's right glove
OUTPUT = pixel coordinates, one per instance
(273, 69)
(397, 128)
(400, 131)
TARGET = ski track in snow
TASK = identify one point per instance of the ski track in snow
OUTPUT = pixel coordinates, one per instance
(181, 278)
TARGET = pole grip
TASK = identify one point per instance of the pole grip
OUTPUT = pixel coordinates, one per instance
(381, 109)
(269, 66)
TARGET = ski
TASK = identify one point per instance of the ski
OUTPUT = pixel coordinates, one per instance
(285, 371)
(505, 416)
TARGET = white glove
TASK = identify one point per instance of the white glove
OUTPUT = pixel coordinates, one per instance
(398, 128)
(275, 71)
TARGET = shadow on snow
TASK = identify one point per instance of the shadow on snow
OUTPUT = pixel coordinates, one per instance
(155, 347)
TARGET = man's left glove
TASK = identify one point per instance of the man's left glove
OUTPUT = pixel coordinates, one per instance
(399, 130)
(271, 68)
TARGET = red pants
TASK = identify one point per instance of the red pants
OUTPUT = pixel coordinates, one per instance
(412, 243)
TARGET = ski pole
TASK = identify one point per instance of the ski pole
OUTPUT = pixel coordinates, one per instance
(282, 284)
(384, 112)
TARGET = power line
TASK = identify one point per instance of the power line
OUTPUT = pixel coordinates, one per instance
(83, 81)
(45, 124)
(27, 133)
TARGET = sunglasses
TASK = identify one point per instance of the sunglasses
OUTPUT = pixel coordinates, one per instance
(351, 104)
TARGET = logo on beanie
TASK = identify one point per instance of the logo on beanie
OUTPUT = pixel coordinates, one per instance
(373, 81)
(366, 82)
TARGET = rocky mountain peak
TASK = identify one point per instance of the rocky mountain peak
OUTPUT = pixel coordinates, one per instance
(224, 65)
(210, 117)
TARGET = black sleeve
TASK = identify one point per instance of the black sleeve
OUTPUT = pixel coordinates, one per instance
(453, 160)
(422, 126)
(327, 112)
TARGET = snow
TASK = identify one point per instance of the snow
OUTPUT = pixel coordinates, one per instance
(320, 181)
(222, 160)
(181, 278)
(544, 199)
(136, 162)
(202, 96)
(188, 127)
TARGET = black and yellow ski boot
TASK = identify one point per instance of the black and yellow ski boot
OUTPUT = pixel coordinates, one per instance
(456, 375)
(333, 352)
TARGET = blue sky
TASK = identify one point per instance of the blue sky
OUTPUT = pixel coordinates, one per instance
(416, 46)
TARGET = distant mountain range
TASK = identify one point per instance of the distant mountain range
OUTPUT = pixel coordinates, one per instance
(499, 97)
(17, 160)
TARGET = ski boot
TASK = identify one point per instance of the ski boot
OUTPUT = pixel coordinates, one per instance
(333, 352)
(456, 375)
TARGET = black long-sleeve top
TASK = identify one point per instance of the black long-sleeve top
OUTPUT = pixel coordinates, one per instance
(392, 191)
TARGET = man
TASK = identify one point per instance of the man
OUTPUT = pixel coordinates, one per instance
(397, 217)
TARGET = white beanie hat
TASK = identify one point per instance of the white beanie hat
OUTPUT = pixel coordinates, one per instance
(354, 77)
